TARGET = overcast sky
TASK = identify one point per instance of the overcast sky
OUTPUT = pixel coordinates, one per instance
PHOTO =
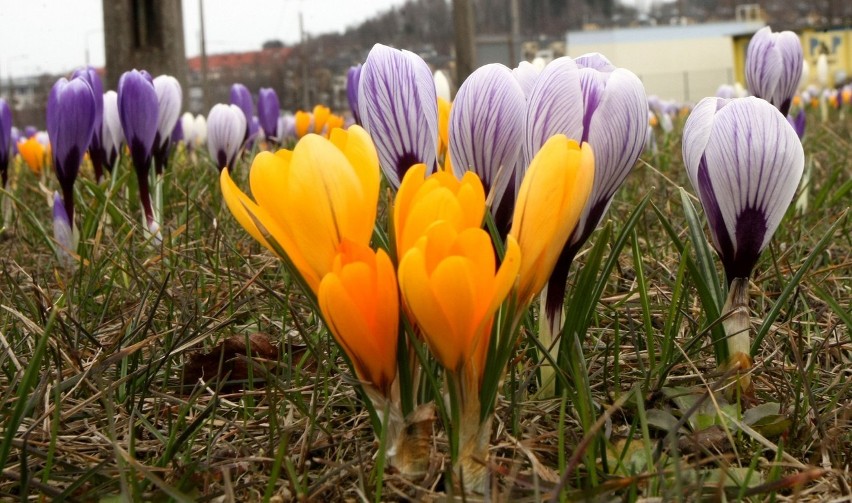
(54, 35)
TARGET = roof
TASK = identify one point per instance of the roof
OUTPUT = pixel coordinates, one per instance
(239, 60)
(657, 33)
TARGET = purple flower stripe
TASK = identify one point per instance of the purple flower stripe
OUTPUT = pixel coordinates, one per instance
(398, 107)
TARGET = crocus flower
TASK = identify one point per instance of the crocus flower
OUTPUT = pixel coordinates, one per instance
(453, 287)
(138, 111)
(360, 303)
(33, 153)
(70, 124)
(14, 137)
(225, 134)
(420, 202)
(5, 141)
(352, 78)
(311, 199)
(442, 85)
(187, 124)
(799, 122)
(241, 97)
(526, 74)
(399, 108)
(177, 132)
(745, 162)
(592, 101)
(268, 109)
(302, 123)
(774, 66)
(96, 152)
(199, 128)
(486, 132)
(112, 137)
(550, 202)
(169, 101)
(30, 131)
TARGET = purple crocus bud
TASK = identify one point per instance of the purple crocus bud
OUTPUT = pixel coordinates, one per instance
(241, 97)
(268, 110)
(774, 66)
(177, 132)
(353, 76)
(799, 121)
(745, 162)
(592, 101)
(169, 101)
(30, 131)
(226, 124)
(486, 134)
(96, 153)
(70, 125)
(5, 141)
(398, 106)
(111, 134)
(138, 111)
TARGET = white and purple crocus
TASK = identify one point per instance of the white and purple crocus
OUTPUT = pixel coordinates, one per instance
(590, 100)
(487, 124)
(138, 111)
(112, 137)
(398, 106)
(241, 96)
(71, 113)
(169, 102)
(774, 67)
(226, 126)
(745, 161)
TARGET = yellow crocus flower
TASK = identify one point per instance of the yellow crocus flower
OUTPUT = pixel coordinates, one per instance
(311, 199)
(550, 200)
(444, 109)
(33, 154)
(359, 300)
(422, 202)
(321, 115)
(450, 286)
(303, 123)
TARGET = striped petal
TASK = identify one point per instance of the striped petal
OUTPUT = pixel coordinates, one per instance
(399, 108)
(555, 106)
(746, 176)
(774, 64)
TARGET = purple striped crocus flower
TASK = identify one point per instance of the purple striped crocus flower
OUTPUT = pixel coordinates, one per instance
(112, 137)
(5, 141)
(169, 102)
(353, 76)
(398, 106)
(486, 135)
(744, 161)
(96, 151)
(774, 66)
(138, 111)
(70, 125)
(589, 100)
(798, 121)
(226, 126)
(268, 110)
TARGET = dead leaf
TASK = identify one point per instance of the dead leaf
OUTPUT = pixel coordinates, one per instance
(229, 359)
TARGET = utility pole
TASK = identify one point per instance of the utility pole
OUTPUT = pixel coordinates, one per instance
(463, 25)
(205, 84)
(514, 33)
(306, 99)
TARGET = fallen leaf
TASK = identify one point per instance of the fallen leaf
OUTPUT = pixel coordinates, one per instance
(229, 359)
